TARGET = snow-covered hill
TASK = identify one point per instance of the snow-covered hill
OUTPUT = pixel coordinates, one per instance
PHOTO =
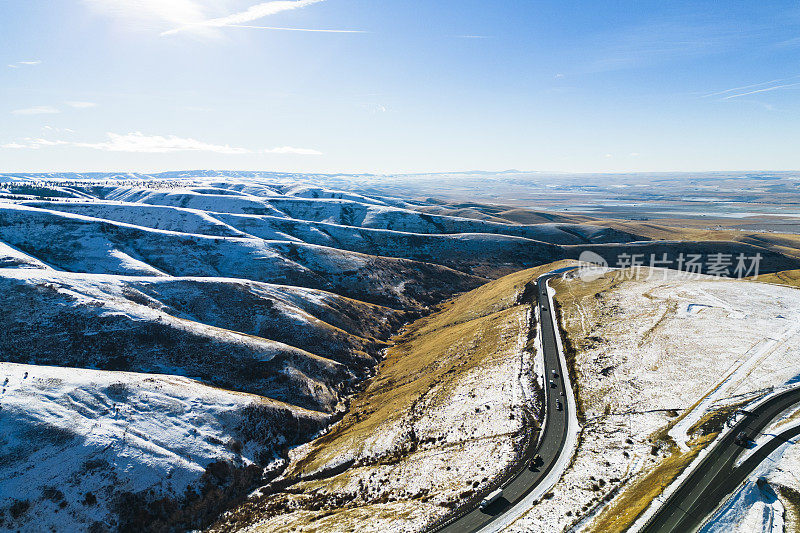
(85, 450)
(151, 313)
(231, 334)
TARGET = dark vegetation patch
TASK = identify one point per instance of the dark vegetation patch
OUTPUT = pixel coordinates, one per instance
(223, 485)
(791, 499)
(40, 191)
(19, 508)
(714, 422)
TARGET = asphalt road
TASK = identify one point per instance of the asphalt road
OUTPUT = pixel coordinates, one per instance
(554, 431)
(717, 476)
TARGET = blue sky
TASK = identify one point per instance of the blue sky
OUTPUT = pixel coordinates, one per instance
(399, 86)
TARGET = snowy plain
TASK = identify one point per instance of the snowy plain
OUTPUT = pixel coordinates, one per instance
(637, 340)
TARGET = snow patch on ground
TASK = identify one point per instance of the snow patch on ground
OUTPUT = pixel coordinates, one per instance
(751, 509)
(740, 370)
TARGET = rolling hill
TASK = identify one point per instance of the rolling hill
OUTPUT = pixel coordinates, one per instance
(243, 312)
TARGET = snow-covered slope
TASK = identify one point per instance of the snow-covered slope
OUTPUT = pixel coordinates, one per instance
(259, 287)
(83, 449)
(165, 359)
(79, 243)
(180, 326)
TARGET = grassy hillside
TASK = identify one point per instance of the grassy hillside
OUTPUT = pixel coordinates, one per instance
(441, 419)
(787, 277)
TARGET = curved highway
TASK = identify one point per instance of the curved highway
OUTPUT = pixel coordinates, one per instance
(552, 441)
(717, 476)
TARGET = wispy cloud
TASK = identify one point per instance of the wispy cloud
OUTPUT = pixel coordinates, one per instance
(53, 129)
(19, 64)
(281, 28)
(198, 17)
(81, 105)
(251, 14)
(138, 142)
(789, 43)
(658, 42)
(767, 89)
(36, 110)
(754, 88)
(742, 88)
(50, 110)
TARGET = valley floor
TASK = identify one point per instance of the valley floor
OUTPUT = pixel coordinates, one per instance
(441, 421)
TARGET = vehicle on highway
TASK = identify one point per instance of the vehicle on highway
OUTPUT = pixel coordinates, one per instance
(491, 498)
(555, 374)
(558, 405)
(552, 443)
(742, 439)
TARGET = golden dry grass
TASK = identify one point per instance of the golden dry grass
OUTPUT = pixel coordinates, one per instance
(795, 416)
(787, 277)
(570, 292)
(791, 501)
(422, 368)
(435, 355)
(434, 351)
(623, 510)
(783, 243)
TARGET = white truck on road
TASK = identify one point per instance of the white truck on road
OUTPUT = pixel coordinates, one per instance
(491, 498)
